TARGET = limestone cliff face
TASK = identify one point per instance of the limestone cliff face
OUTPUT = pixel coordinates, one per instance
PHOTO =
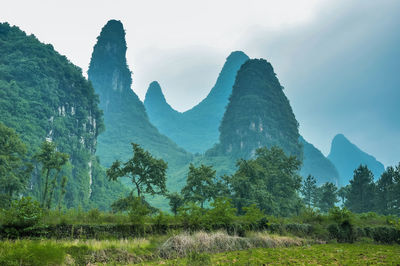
(45, 97)
(258, 114)
(346, 156)
(196, 130)
(125, 117)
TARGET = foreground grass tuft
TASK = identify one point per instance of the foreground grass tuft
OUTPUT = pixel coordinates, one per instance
(201, 242)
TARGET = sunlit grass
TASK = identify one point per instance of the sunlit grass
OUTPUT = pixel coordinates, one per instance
(329, 254)
(200, 248)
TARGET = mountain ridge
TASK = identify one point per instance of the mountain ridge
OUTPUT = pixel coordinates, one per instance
(347, 157)
(196, 129)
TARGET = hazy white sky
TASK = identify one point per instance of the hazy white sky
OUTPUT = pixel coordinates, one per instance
(167, 40)
(183, 45)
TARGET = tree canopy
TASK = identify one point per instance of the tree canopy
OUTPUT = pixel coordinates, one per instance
(147, 173)
(270, 181)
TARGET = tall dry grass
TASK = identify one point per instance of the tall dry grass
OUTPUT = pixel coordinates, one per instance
(202, 242)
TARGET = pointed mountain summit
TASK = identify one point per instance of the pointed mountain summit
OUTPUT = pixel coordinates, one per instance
(161, 112)
(154, 93)
(218, 97)
(258, 114)
(196, 130)
(317, 165)
(125, 117)
(347, 157)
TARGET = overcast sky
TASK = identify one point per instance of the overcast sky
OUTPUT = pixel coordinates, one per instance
(338, 60)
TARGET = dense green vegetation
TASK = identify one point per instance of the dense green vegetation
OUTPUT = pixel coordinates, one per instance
(258, 115)
(145, 252)
(14, 170)
(196, 130)
(44, 96)
(124, 114)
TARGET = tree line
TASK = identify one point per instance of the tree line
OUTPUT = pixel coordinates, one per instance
(269, 182)
(361, 195)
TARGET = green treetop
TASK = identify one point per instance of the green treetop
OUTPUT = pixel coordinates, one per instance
(200, 185)
(147, 173)
(51, 162)
(360, 197)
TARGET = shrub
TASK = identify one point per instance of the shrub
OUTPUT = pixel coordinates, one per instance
(138, 212)
(309, 215)
(386, 235)
(299, 229)
(94, 215)
(343, 232)
(192, 216)
(222, 212)
(276, 228)
(339, 215)
(24, 213)
(343, 229)
(252, 214)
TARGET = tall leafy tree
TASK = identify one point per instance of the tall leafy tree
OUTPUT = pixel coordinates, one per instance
(270, 181)
(14, 170)
(200, 185)
(147, 173)
(361, 193)
(327, 196)
(308, 190)
(51, 162)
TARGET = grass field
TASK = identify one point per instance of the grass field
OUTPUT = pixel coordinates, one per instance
(197, 249)
(329, 254)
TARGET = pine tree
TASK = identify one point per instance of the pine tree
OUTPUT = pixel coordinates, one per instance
(308, 190)
(361, 194)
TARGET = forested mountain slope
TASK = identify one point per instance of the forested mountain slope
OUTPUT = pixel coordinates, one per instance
(124, 114)
(44, 96)
(258, 115)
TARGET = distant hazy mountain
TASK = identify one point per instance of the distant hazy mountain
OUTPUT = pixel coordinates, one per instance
(317, 165)
(125, 117)
(43, 96)
(258, 114)
(196, 130)
(346, 156)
